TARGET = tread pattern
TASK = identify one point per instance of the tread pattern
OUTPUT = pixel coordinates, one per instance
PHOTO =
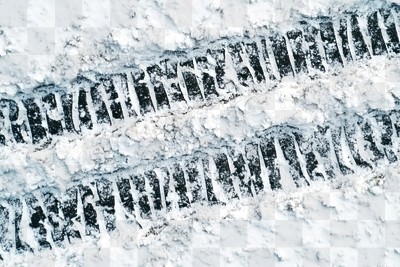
(311, 48)
(310, 153)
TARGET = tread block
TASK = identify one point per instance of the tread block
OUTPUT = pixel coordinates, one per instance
(350, 135)
(305, 148)
(35, 120)
(121, 81)
(177, 93)
(385, 124)
(55, 126)
(267, 60)
(70, 211)
(83, 109)
(37, 220)
(345, 39)
(377, 42)
(295, 38)
(219, 57)
(361, 49)
(143, 200)
(224, 175)
(107, 202)
(89, 213)
(194, 178)
(124, 189)
(395, 116)
(244, 76)
(6, 242)
(66, 100)
(336, 134)
(20, 245)
(243, 72)
(252, 51)
(209, 86)
(142, 92)
(287, 144)
(161, 97)
(321, 145)
(166, 187)
(388, 20)
(313, 54)
(332, 53)
(254, 164)
(111, 92)
(235, 50)
(268, 152)
(370, 144)
(289, 152)
(207, 178)
(99, 105)
(170, 70)
(155, 189)
(281, 54)
(155, 74)
(2, 137)
(241, 174)
(16, 127)
(192, 86)
(53, 208)
(69, 207)
(180, 186)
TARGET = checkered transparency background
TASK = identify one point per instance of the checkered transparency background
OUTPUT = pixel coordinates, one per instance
(318, 234)
(321, 228)
(325, 229)
(41, 23)
(332, 230)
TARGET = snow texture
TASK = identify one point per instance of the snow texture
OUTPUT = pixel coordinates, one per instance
(353, 221)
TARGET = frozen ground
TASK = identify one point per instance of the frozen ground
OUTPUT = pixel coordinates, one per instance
(351, 221)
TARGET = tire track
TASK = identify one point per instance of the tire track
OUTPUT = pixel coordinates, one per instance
(282, 157)
(279, 158)
(217, 74)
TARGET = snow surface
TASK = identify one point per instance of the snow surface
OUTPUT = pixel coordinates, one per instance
(351, 221)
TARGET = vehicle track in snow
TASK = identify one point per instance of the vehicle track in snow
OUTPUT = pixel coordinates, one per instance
(280, 157)
(219, 73)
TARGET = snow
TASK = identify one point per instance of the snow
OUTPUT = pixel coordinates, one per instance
(351, 221)
(314, 225)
